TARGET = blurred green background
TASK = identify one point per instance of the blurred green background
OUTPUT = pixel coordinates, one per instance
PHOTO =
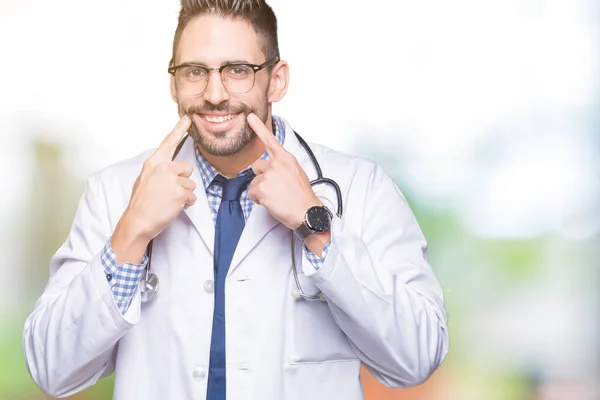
(487, 115)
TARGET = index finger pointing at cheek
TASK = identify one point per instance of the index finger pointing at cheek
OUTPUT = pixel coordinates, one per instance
(170, 142)
(265, 136)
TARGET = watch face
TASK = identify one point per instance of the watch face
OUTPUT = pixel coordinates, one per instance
(318, 219)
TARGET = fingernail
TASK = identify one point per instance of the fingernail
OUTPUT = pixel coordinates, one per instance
(186, 117)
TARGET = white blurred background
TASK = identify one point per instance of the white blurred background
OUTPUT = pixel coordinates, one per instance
(486, 113)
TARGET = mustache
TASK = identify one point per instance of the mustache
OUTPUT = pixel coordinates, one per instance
(222, 107)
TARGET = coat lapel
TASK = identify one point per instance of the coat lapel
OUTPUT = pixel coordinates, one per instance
(199, 214)
(260, 221)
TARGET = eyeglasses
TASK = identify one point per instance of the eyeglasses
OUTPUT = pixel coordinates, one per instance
(238, 78)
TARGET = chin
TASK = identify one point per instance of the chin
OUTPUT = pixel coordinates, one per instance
(221, 144)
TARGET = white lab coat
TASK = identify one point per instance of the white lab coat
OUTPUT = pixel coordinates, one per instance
(384, 304)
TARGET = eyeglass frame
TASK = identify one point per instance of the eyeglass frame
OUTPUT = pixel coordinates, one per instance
(255, 68)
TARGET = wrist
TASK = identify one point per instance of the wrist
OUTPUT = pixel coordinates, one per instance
(317, 241)
(129, 240)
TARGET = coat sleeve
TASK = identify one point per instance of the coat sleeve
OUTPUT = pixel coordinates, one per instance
(70, 339)
(381, 290)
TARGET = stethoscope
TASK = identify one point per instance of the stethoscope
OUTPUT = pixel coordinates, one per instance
(149, 285)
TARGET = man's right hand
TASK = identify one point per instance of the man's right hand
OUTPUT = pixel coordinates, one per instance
(161, 191)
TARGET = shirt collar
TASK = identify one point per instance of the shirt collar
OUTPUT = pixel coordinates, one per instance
(208, 172)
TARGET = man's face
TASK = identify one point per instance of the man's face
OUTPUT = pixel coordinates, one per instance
(219, 120)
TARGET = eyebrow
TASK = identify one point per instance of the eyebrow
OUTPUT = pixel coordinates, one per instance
(238, 61)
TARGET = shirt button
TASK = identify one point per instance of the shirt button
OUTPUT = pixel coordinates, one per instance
(199, 373)
(209, 286)
(109, 277)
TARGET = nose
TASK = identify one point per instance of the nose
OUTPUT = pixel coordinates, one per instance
(215, 92)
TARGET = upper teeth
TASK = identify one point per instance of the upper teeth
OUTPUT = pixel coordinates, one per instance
(222, 118)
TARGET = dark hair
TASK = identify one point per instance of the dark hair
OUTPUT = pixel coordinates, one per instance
(257, 12)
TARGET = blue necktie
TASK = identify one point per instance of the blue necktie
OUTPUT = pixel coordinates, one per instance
(229, 227)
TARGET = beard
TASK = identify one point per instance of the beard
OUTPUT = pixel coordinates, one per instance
(224, 143)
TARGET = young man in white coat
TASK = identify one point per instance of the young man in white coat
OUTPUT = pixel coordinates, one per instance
(222, 199)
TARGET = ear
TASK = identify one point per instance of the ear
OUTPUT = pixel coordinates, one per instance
(280, 79)
(173, 89)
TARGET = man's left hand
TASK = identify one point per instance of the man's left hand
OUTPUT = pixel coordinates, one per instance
(280, 185)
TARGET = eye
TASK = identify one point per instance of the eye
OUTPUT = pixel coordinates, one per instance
(238, 71)
(194, 73)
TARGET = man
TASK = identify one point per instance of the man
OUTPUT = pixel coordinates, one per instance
(231, 216)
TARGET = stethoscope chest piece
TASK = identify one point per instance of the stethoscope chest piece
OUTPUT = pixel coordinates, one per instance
(149, 287)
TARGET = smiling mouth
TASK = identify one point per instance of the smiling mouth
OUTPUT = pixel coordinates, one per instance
(218, 118)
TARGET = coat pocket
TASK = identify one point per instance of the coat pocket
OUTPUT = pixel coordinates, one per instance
(315, 336)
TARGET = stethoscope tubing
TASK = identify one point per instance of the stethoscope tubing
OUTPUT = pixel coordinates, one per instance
(149, 290)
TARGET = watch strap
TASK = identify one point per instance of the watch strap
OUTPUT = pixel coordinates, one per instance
(303, 231)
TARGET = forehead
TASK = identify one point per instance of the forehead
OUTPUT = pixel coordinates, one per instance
(211, 39)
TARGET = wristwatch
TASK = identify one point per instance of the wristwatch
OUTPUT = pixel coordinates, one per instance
(317, 219)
